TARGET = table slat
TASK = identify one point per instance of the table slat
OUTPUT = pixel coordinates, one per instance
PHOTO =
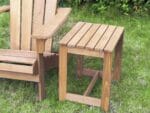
(73, 42)
(92, 43)
(114, 39)
(88, 36)
(103, 41)
(72, 32)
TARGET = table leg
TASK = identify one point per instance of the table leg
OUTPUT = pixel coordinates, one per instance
(117, 60)
(79, 66)
(62, 72)
(106, 81)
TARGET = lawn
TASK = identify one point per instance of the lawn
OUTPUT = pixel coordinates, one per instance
(129, 95)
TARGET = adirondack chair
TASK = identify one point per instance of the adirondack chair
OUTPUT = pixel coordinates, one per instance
(32, 25)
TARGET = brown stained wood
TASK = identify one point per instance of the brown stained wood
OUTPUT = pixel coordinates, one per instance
(85, 52)
(71, 33)
(79, 65)
(15, 18)
(38, 13)
(27, 18)
(26, 24)
(19, 76)
(117, 60)
(22, 53)
(97, 36)
(105, 38)
(18, 53)
(50, 10)
(62, 72)
(41, 84)
(88, 36)
(73, 42)
(16, 68)
(33, 44)
(91, 72)
(106, 81)
(105, 34)
(51, 61)
(5, 8)
(21, 60)
(91, 85)
(48, 30)
(83, 99)
(38, 18)
(114, 39)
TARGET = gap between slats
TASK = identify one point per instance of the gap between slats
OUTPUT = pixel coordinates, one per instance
(88, 36)
(71, 33)
(105, 38)
(73, 42)
(97, 36)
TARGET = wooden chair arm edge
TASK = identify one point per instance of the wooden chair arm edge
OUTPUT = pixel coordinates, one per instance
(5, 8)
(42, 37)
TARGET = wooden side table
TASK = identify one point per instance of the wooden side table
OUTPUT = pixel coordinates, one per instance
(94, 40)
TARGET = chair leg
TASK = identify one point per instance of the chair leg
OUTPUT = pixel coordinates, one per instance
(41, 85)
(79, 66)
(117, 60)
(41, 89)
(106, 81)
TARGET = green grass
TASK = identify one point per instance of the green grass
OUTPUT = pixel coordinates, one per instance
(130, 95)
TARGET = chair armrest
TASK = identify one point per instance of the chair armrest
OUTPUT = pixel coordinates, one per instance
(5, 8)
(49, 29)
(46, 31)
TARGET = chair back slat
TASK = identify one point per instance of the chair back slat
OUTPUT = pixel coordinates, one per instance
(38, 18)
(15, 6)
(26, 24)
(26, 17)
(50, 11)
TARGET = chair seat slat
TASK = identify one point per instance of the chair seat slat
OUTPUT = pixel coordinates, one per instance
(17, 68)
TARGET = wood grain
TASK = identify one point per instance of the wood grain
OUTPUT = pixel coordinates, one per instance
(86, 52)
(38, 18)
(97, 36)
(15, 24)
(50, 10)
(105, 38)
(13, 59)
(88, 36)
(71, 33)
(41, 83)
(106, 81)
(16, 68)
(26, 24)
(114, 39)
(117, 60)
(83, 99)
(19, 76)
(79, 65)
(73, 42)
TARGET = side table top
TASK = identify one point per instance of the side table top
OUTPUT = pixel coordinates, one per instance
(96, 37)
